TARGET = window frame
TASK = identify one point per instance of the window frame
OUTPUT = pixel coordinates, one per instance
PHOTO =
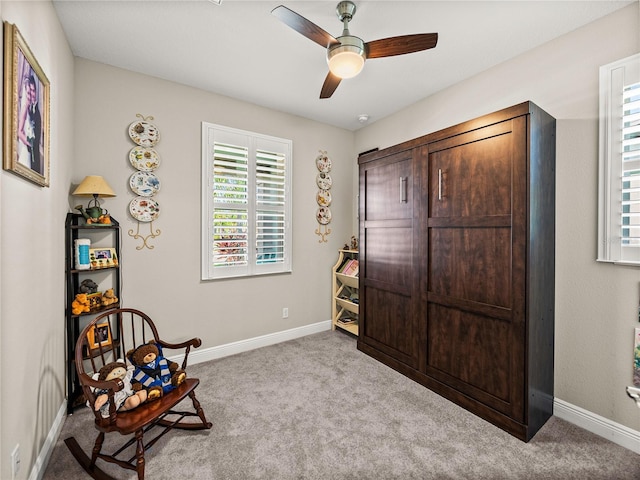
(254, 142)
(613, 78)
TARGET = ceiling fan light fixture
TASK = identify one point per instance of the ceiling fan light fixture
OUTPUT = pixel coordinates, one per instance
(346, 59)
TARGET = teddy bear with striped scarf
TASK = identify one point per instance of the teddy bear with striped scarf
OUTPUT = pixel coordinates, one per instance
(153, 372)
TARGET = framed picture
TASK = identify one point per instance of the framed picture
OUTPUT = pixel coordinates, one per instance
(26, 111)
(103, 257)
(99, 335)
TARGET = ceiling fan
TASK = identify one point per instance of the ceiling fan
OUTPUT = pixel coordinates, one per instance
(347, 53)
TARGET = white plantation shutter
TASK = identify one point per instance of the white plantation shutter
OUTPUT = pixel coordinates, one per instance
(631, 166)
(619, 192)
(246, 203)
(230, 200)
(271, 203)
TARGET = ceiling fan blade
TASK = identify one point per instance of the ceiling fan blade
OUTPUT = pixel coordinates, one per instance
(304, 26)
(329, 86)
(388, 47)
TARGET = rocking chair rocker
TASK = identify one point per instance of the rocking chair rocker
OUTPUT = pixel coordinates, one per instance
(125, 329)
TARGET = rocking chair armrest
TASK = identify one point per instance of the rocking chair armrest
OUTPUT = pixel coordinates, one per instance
(194, 342)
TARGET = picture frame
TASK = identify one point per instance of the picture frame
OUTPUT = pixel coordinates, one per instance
(95, 301)
(26, 111)
(103, 258)
(99, 335)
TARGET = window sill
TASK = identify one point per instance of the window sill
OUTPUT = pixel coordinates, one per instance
(625, 263)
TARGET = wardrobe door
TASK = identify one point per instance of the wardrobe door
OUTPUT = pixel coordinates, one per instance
(474, 246)
(387, 322)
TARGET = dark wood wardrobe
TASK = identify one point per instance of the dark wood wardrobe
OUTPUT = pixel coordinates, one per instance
(457, 239)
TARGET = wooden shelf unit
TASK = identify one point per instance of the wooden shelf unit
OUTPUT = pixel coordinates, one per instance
(344, 289)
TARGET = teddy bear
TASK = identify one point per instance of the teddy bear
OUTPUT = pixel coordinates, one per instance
(108, 298)
(81, 304)
(125, 399)
(153, 371)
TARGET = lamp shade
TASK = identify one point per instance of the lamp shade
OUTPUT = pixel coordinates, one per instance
(94, 186)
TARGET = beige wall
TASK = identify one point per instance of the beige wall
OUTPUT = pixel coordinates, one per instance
(32, 257)
(165, 282)
(596, 304)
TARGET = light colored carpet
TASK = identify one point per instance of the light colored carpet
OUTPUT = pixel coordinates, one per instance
(317, 408)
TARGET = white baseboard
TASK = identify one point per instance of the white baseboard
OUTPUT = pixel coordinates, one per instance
(205, 354)
(40, 465)
(603, 427)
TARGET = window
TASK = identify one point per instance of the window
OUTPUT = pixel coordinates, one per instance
(246, 203)
(619, 189)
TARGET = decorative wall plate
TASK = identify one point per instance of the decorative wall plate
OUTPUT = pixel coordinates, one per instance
(145, 184)
(323, 163)
(323, 215)
(144, 134)
(323, 197)
(323, 180)
(144, 209)
(144, 159)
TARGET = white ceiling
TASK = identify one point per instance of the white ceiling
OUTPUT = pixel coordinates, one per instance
(240, 50)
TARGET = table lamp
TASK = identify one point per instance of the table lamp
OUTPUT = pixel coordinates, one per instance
(94, 186)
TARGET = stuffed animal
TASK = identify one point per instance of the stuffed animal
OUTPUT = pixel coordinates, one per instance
(81, 304)
(88, 286)
(125, 399)
(108, 298)
(153, 371)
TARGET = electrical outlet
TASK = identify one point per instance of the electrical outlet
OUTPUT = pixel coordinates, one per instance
(15, 461)
(285, 312)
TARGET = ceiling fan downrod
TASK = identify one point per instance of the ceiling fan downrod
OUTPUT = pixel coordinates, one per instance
(345, 11)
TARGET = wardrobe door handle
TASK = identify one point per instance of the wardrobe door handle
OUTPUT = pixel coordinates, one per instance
(439, 184)
(403, 189)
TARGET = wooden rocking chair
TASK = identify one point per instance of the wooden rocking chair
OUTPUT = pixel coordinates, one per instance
(108, 338)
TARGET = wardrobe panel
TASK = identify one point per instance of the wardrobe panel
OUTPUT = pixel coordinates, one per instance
(471, 263)
(454, 186)
(474, 349)
(388, 256)
(389, 328)
(389, 189)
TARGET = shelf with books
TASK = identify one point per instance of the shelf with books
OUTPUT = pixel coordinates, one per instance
(344, 302)
(348, 322)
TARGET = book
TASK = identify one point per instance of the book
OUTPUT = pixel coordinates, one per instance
(347, 319)
(352, 268)
(345, 265)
